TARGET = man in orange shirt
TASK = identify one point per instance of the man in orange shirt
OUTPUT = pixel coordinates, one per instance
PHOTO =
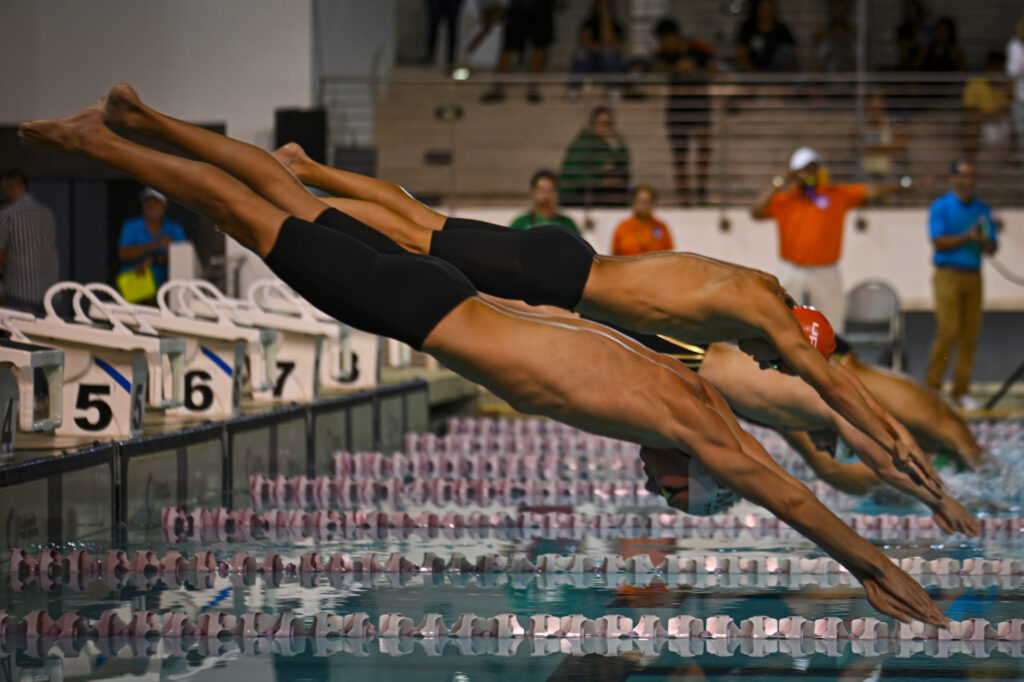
(810, 216)
(641, 232)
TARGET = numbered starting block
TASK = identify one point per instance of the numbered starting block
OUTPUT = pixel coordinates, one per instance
(350, 357)
(215, 351)
(106, 375)
(39, 371)
(301, 341)
(30, 390)
(200, 301)
(165, 355)
(9, 403)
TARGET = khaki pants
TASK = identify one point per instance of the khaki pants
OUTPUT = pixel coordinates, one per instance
(958, 320)
(818, 286)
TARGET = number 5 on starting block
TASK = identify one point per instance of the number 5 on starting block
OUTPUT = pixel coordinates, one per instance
(104, 393)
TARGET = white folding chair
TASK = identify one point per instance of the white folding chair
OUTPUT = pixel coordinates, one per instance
(873, 318)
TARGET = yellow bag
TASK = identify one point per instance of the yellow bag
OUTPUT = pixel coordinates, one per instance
(136, 286)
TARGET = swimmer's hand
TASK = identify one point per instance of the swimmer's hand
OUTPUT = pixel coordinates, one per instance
(911, 460)
(952, 517)
(896, 594)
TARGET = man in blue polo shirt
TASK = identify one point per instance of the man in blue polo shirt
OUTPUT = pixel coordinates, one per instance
(145, 238)
(961, 230)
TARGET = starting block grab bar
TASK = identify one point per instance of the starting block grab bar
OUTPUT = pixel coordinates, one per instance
(350, 356)
(165, 355)
(31, 378)
(201, 301)
(105, 379)
(301, 341)
(215, 352)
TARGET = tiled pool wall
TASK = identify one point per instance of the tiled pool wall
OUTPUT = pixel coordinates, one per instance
(114, 492)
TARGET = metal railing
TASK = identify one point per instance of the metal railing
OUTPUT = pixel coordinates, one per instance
(717, 143)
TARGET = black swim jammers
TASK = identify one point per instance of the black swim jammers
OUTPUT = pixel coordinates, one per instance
(396, 294)
(544, 265)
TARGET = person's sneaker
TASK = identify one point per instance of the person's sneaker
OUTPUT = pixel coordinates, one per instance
(966, 402)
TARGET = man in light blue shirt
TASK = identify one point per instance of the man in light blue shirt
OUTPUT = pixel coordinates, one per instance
(961, 229)
(145, 238)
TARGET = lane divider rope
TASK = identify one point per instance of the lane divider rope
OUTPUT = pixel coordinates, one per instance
(179, 521)
(198, 581)
(228, 648)
(148, 564)
(214, 624)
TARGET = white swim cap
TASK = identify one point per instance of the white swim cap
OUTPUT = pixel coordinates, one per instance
(707, 495)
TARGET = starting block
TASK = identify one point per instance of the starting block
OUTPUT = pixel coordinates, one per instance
(350, 357)
(187, 300)
(399, 354)
(301, 341)
(106, 373)
(9, 405)
(165, 355)
(215, 352)
(38, 374)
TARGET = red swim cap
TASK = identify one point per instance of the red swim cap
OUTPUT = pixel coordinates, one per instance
(816, 328)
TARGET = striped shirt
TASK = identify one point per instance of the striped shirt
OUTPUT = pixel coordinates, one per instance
(28, 237)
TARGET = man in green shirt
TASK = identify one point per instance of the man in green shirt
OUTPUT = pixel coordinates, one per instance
(544, 192)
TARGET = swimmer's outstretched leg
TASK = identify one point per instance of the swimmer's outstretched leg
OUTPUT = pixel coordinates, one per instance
(250, 164)
(234, 207)
(261, 172)
(349, 185)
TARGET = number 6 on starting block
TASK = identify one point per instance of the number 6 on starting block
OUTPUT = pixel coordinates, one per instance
(214, 355)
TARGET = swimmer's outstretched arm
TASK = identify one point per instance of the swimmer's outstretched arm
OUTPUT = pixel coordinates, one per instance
(920, 409)
(756, 483)
(787, 403)
(855, 478)
(949, 514)
(839, 392)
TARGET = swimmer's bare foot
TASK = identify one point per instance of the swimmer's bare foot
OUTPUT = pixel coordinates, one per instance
(67, 134)
(294, 158)
(123, 107)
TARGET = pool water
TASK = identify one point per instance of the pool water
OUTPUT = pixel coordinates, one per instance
(703, 590)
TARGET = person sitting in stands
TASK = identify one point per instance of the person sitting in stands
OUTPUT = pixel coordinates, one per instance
(544, 194)
(641, 232)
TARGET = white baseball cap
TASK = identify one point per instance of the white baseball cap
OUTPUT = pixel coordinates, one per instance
(802, 158)
(150, 192)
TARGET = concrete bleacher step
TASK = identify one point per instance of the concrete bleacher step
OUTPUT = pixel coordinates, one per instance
(496, 147)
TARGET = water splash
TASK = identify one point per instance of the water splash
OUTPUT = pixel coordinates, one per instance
(998, 485)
